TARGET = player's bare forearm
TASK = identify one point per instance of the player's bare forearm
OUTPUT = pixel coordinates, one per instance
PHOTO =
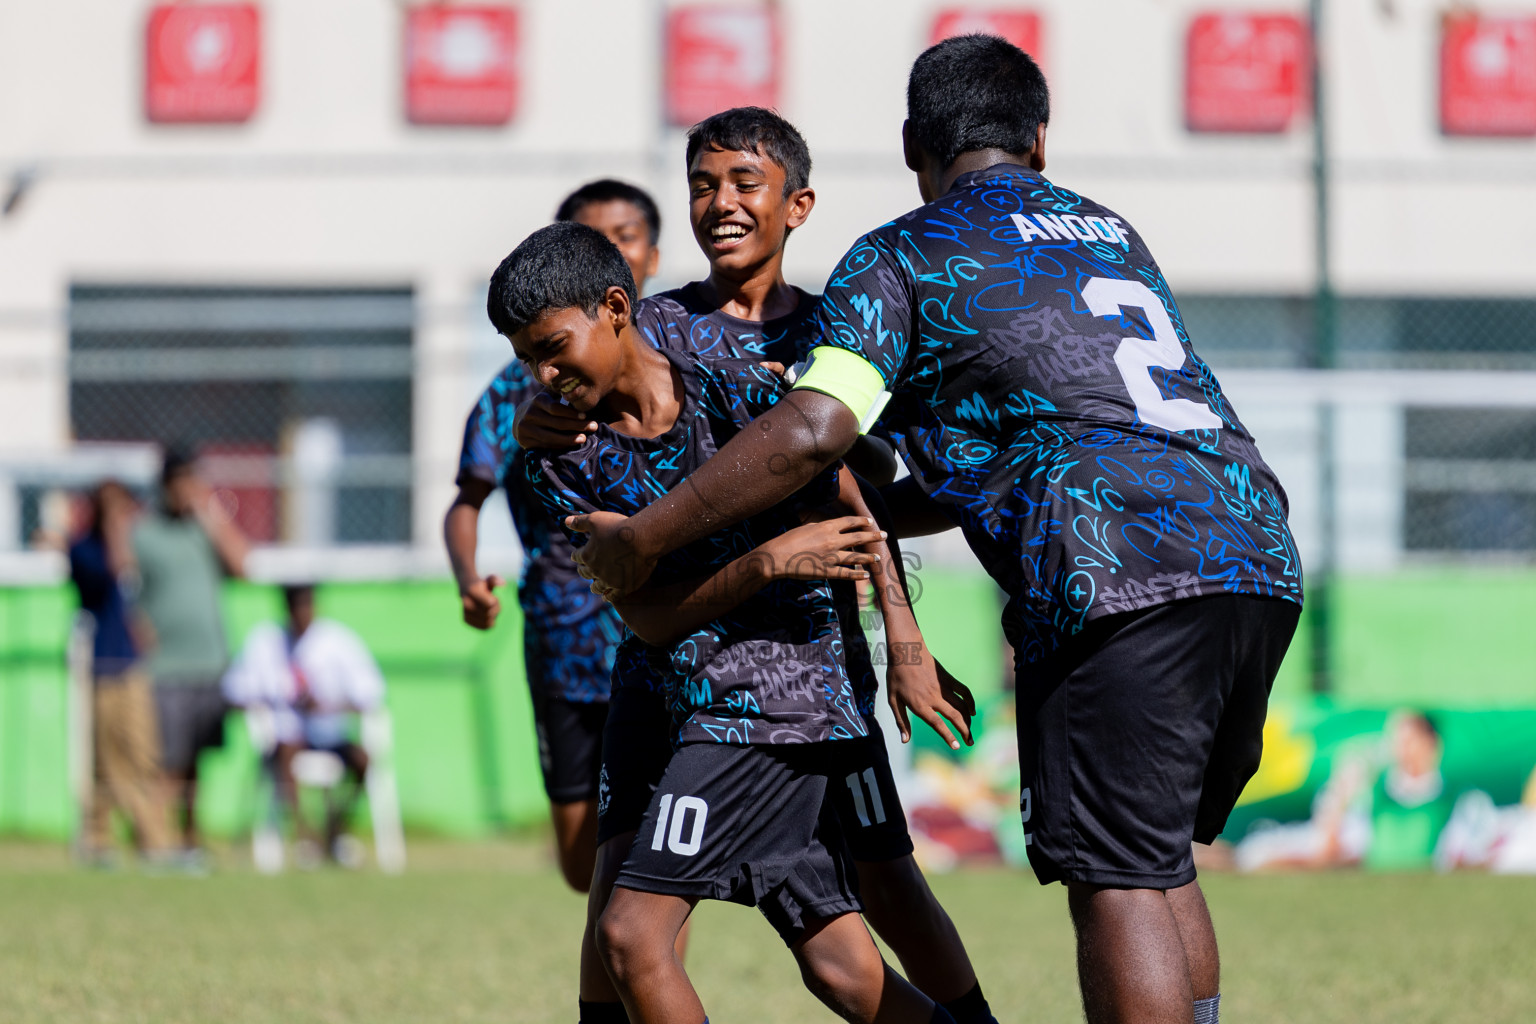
(661, 616)
(828, 549)
(912, 512)
(461, 532)
(782, 451)
(915, 681)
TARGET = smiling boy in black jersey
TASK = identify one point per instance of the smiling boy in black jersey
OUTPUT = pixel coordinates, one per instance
(749, 185)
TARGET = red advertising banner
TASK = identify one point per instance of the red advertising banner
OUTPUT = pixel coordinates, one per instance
(202, 63)
(1246, 72)
(720, 57)
(1019, 26)
(461, 64)
(1488, 75)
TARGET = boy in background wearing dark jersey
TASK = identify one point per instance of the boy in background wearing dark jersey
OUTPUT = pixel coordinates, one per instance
(569, 635)
(745, 628)
(1049, 404)
(749, 174)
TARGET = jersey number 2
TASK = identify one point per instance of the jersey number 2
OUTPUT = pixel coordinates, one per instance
(1135, 357)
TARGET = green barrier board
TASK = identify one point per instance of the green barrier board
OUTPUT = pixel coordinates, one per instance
(466, 763)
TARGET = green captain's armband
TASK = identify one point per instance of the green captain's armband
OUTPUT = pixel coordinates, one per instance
(849, 378)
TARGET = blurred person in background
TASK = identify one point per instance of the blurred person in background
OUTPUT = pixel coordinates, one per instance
(184, 551)
(315, 676)
(125, 734)
(569, 633)
(1384, 808)
(1410, 803)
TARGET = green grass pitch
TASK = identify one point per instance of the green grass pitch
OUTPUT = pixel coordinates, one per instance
(486, 932)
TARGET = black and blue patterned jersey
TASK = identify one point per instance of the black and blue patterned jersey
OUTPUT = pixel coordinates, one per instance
(776, 669)
(1045, 393)
(680, 320)
(569, 633)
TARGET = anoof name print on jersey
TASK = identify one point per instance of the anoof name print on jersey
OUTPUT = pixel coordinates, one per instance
(774, 670)
(1046, 394)
(569, 633)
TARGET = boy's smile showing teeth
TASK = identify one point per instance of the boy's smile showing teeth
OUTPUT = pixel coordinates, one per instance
(727, 233)
(570, 385)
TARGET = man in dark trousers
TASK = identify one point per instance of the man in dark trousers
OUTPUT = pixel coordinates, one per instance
(1022, 346)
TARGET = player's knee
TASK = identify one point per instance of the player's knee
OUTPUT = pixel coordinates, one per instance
(624, 941)
(896, 895)
(848, 978)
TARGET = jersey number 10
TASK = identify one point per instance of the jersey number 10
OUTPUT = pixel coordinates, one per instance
(1135, 357)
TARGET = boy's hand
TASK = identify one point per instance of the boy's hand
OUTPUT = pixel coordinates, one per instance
(777, 369)
(914, 679)
(823, 550)
(956, 693)
(609, 558)
(543, 422)
(481, 605)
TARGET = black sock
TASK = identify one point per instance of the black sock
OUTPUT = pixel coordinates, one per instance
(971, 1008)
(602, 1013)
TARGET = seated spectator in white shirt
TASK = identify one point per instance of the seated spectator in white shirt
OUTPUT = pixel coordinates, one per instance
(314, 675)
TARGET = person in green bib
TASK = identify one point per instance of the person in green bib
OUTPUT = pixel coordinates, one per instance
(1410, 803)
(184, 551)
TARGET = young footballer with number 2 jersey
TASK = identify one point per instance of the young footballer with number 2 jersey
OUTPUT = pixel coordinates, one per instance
(1022, 346)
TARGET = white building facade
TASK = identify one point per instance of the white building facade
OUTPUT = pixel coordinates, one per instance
(329, 241)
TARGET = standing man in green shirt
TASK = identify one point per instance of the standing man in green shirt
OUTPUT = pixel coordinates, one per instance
(184, 551)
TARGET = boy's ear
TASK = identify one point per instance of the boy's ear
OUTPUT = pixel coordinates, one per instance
(1037, 155)
(911, 152)
(616, 302)
(800, 203)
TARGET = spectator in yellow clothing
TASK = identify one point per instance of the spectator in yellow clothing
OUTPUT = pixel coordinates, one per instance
(125, 734)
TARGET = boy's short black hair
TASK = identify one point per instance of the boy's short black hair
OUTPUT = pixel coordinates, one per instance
(560, 265)
(755, 130)
(976, 92)
(607, 190)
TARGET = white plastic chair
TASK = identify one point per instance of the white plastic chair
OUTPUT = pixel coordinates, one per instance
(321, 769)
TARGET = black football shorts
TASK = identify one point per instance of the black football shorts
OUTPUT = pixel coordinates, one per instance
(748, 825)
(637, 744)
(1137, 736)
(862, 791)
(570, 735)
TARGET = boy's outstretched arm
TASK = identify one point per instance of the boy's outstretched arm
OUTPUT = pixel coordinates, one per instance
(914, 678)
(787, 446)
(661, 616)
(461, 529)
